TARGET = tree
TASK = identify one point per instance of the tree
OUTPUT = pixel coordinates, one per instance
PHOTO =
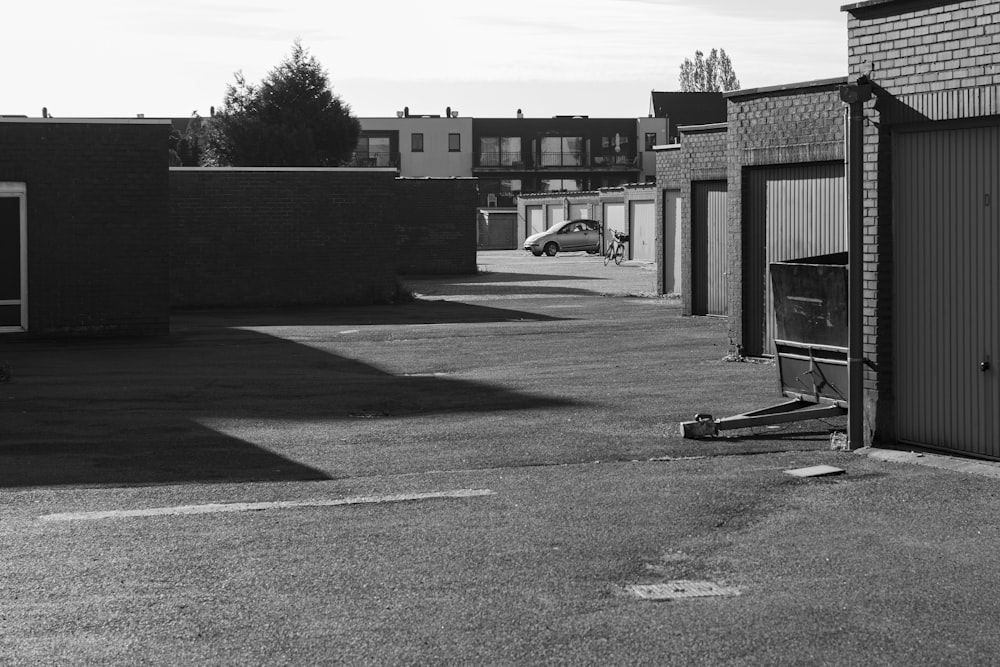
(708, 75)
(187, 149)
(290, 119)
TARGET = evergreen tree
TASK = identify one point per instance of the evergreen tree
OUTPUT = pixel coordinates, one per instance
(290, 119)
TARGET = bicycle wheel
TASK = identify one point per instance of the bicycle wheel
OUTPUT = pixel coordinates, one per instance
(619, 254)
(609, 254)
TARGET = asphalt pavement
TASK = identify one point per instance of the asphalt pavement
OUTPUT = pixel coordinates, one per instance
(489, 474)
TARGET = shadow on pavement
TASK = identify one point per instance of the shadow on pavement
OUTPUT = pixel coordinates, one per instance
(114, 412)
(419, 311)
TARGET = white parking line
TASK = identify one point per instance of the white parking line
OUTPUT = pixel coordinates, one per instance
(214, 508)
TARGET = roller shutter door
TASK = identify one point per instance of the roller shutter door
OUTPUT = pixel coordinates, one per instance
(946, 315)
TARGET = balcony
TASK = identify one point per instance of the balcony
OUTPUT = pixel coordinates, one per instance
(611, 159)
(372, 159)
(499, 160)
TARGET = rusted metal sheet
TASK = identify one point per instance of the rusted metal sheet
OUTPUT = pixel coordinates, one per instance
(946, 244)
(790, 211)
(709, 251)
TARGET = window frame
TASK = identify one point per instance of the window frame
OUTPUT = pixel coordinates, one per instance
(416, 142)
(457, 146)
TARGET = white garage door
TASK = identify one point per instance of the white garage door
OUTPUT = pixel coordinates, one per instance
(643, 234)
(535, 220)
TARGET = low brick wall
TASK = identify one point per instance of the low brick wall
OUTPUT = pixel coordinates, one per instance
(269, 237)
(96, 223)
(436, 225)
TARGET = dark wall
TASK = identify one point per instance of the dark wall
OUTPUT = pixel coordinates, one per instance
(436, 225)
(97, 223)
(267, 237)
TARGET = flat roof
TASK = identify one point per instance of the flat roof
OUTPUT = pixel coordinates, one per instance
(707, 127)
(788, 87)
(870, 4)
(88, 121)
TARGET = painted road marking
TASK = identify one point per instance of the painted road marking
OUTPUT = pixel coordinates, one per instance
(214, 508)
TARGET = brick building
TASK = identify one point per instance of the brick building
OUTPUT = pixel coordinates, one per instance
(929, 149)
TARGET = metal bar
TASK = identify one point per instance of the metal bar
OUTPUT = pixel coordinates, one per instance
(784, 413)
(810, 346)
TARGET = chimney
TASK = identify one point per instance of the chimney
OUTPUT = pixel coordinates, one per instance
(447, 112)
(520, 114)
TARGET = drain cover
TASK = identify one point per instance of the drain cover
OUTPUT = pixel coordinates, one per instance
(680, 590)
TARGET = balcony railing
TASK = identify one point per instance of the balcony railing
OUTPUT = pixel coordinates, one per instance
(500, 159)
(547, 160)
(564, 159)
(612, 159)
(373, 159)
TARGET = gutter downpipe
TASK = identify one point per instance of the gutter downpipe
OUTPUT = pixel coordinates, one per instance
(855, 97)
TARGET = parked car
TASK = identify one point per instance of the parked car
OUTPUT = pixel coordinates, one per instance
(566, 236)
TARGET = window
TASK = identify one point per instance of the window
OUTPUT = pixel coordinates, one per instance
(417, 142)
(650, 140)
(562, 151)
(373, 152)
(556, 184)
(500, 152)
(454, 142)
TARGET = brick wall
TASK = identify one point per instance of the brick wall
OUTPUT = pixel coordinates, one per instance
(800, 123)
(436, 225)
(929, 61)
(701, 157)
(281, 236)
(97, 223)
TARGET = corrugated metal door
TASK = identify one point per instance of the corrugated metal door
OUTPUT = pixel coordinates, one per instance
(642, 238)
(536, 219)
(709, 256)
(671, 242)
(790, 212)
(946, 240)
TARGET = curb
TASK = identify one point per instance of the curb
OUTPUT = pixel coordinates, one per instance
(955, 464)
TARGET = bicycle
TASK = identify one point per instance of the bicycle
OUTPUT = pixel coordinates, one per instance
(616, 248)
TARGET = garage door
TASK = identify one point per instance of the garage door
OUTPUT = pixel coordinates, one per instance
(535, 220)
(13, 256)
(553, 214)
(946, 239)
(790, 212)
(642, 241)
(709, 257)
(671, 242)
(579, 211)
(614, 217)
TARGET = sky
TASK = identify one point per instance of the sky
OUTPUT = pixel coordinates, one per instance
(600, 58)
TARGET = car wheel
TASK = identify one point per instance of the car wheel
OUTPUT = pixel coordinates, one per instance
(551, 249)
(536, 253)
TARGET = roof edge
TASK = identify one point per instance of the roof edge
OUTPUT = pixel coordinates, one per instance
(707, 127)
(818, 83)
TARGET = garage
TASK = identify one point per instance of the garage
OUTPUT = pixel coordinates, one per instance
(534, 219)
(946, 231)
(671, 262)
(13, 258)
(709, 256)
(614, 217)
(642, 241)
(790, 211)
